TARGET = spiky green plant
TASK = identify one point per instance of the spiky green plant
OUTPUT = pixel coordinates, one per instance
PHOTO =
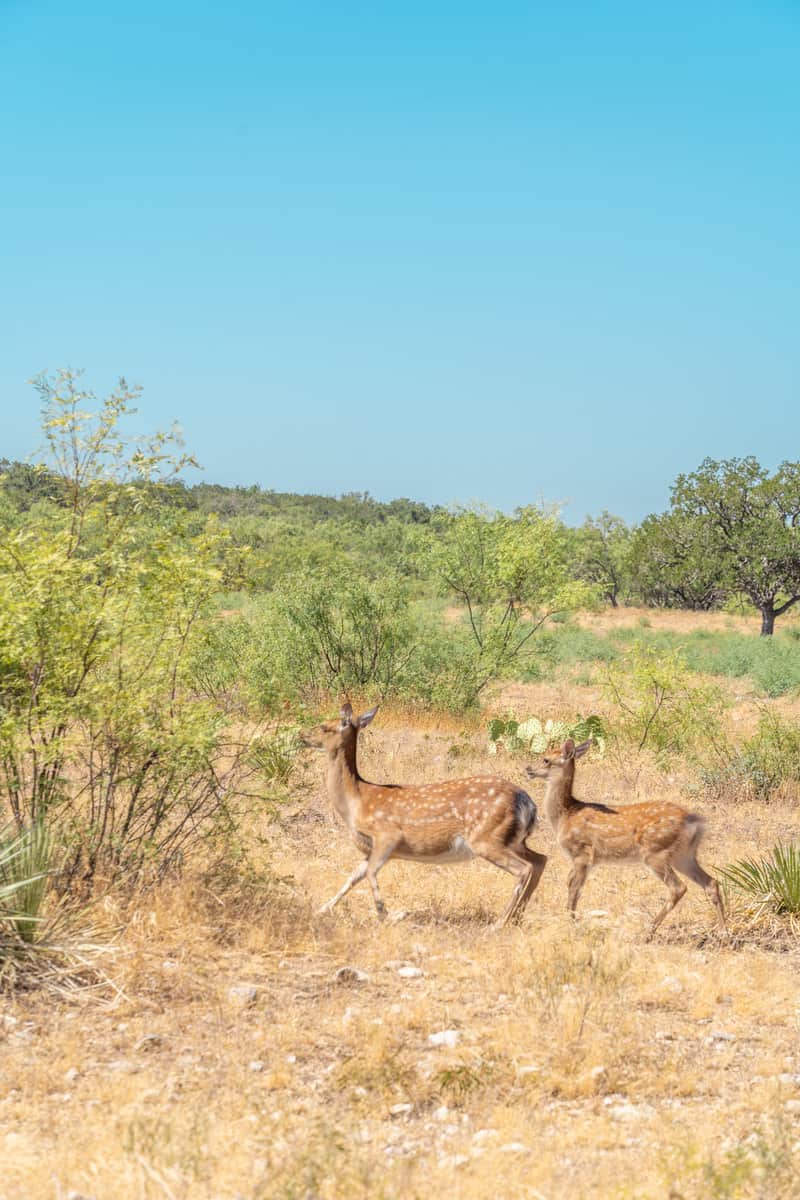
(275, 755)
(26, 860)
(534, 735)
(774, 882)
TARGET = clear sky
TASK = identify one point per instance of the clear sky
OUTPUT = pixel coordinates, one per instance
(444, 250)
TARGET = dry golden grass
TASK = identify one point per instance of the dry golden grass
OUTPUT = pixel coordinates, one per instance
(587, 1063)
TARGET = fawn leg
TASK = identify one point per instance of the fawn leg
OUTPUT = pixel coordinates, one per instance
(382, 851)
(519, 900)
(355, 878)
(507, 860)
(677, 891)
(577, 878)
(692, 870)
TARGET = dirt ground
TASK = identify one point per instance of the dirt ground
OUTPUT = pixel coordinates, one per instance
(239, 1059)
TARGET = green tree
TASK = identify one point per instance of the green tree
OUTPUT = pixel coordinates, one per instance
(675, 561)
(752, 519)
(602, 552)
(511, 575)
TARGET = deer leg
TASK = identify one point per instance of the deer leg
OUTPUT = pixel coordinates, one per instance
(529, 883)
(577, 878)
(355, 878)
(677, 891)
(516, 864)
(691, 868)
(379, 855)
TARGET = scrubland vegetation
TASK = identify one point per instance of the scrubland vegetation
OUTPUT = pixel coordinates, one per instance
(175, 1019)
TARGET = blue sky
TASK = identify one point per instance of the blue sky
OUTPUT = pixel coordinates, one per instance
(449, 251)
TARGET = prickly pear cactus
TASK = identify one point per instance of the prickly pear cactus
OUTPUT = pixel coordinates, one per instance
(533, 736)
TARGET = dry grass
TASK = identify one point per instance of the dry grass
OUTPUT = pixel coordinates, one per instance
(587, 1064)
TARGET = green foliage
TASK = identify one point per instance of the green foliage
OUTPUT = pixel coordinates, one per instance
(774, 882)
(749, 522)
(676, 562)
(26, 863)
(767, 763)
(102, 600)
(571, 643)
(275, 754)
(659, 707)
(601, 549)
(534, 736)
(763, 1167)
(333, 632)
(459, 1081)
(511, 575)
(773, 665)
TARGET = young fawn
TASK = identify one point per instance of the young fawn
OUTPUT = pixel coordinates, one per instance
(663, 836)
(483, 816)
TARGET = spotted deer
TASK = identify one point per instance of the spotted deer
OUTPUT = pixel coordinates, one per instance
(663, 836)
(483, 816)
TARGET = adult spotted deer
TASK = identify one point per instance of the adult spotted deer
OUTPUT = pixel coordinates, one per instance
(663, 836)
(483, 816)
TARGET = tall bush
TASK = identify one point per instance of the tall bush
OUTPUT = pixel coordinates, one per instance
(333, 631)
(657, 706)
(510, 576)
(103, 593)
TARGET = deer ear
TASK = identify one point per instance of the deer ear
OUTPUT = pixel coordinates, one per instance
(568, 750)
(366, 717)
(583, 748)
(346, 714)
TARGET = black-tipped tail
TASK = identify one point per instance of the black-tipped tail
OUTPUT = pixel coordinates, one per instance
(525, 814)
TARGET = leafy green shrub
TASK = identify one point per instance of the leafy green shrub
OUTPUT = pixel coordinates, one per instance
(333, 632)
(103, 598)
(511, 577)
(774, 882)
(767, 763)
(659, 707)
(776, 668)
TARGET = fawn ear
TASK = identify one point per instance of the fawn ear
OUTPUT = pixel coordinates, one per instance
(583, 748)
(568, 750)
(366, 717)
(346, 714)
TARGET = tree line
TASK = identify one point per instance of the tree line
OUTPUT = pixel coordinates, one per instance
(732, 531)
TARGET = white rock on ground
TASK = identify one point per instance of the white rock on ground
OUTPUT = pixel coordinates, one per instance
(444, 1037)
(242, 995)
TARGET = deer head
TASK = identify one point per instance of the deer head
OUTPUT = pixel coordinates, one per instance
(557, 764)
(333, 736)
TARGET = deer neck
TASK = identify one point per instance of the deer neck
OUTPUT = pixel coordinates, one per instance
(343, 780)
(558, 795)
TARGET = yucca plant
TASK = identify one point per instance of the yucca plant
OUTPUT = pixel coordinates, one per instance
(25, 866)
(275, 754)
(57, 952)
(774, 882)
